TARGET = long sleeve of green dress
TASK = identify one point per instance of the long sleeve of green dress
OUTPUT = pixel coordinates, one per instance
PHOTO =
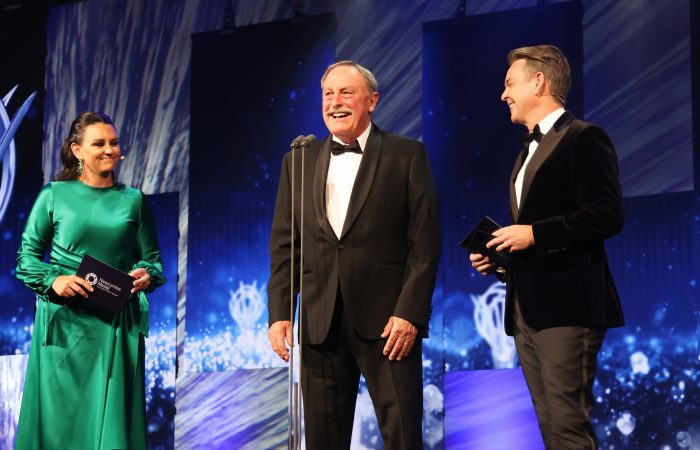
(84, 387)
(38, 232)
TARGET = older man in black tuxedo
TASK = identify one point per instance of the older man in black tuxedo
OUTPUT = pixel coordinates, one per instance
(565, 201)
(371, 250)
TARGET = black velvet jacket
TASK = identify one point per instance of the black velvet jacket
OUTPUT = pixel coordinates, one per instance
(572, 198)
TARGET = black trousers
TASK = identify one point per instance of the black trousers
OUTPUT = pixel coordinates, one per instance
(330, 380)
(560, 365)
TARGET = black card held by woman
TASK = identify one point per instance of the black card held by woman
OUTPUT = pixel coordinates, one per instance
(112, 287)
(476, 240)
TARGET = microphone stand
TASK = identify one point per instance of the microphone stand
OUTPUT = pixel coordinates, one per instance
(295, 393)
(292, 388)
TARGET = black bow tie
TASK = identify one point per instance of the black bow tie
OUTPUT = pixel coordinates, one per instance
(338, 149)
(535, 135)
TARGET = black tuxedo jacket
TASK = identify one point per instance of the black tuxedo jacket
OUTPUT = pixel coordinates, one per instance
(385, 261)
(572, 198)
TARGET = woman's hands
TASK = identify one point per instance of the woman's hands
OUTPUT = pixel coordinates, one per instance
(143, 279)
(71, 286)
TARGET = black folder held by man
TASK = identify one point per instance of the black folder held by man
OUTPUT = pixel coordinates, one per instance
(476, 240)
(112, 287)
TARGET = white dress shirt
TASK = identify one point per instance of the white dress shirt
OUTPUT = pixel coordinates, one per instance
(342, 172)
(545, 124)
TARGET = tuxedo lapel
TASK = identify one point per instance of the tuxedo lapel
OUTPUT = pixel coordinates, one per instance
(319, 187)
(547, 145)
(365, 177)
(513, 198)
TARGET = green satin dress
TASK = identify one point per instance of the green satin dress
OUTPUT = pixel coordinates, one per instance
(84, 386)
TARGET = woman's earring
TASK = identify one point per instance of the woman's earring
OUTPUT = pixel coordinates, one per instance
(80, 166)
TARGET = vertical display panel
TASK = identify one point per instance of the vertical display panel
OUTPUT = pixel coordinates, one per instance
(253, 90)
(161, 359)
(21, 106)
(473, 147)
(648, 369)
(638, 87)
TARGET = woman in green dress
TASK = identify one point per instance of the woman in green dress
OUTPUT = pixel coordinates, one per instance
(84, 386)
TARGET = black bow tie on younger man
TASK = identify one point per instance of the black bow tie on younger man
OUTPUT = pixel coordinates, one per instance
(338, 149)
(535, 135)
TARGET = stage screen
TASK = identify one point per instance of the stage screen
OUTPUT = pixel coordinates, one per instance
(473, 147)
(638, 87)
(253, 90)
(161, 355)
(20, 181)
(647, 386)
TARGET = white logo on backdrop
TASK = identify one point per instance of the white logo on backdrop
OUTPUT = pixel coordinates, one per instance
(246, 306)
(489, 310)
(7, 146)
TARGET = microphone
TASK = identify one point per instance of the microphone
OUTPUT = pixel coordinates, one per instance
(307, 140)
(297, 142)
(122, 158)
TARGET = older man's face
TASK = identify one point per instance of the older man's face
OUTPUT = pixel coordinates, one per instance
(347, 103)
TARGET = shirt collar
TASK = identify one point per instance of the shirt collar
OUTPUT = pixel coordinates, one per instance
(550, 119)
(361, 139)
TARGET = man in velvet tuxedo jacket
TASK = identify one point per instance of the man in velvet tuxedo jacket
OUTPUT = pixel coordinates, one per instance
(565, 201)
(371, 247)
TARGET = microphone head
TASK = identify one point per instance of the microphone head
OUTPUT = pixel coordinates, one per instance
(307, 140)
(297, 141)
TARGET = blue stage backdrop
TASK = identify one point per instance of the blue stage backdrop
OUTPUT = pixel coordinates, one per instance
(237, 145)
(132, 59)
(473, 147)
(637, 71)
(647, 390)
(20, 181)
(161, 356)
(22, 75)
(253, 90)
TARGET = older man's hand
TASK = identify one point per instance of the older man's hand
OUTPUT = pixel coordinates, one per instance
(281, 338)
(401, 336)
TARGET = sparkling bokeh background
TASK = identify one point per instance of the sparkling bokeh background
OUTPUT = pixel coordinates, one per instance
(133, 60)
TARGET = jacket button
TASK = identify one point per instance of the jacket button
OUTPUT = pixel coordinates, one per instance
(341, 247)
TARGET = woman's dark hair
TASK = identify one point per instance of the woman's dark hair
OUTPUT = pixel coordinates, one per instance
(75, 136)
